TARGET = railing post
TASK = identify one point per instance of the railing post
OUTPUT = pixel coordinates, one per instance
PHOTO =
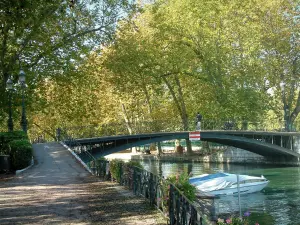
(183, 211)
(151, 194)
(193, 218)
(171, 205)
(177, 200)
(134, 180)
(212, 210)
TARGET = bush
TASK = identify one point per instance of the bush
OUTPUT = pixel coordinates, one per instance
(115, 167)
(236, 220)
(134, 164)
(181, 181)
(21, 153)
(7, 137)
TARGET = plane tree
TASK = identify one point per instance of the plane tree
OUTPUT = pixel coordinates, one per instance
(280, 55)
(50, 38)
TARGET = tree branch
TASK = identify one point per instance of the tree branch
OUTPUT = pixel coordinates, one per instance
(48, 132)
(37, 24)
(64, 41)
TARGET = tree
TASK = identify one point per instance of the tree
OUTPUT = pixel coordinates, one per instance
(50, 38)
(281, 58)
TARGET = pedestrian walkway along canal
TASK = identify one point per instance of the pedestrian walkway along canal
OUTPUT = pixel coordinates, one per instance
(58, 190)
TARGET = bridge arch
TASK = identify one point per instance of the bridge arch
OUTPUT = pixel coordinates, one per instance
(113, 144)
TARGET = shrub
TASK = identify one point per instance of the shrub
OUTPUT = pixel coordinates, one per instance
(21, 153)
(134, 164)
(101, 159)
(115, 167)
(236, 220)
(4, 149)
(181, 181)
(6, 137)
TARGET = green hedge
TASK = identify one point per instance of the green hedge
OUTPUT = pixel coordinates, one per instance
(17, 145)
(7, 137)
(181, 181)
(115, 167)
(21, 153)
(119, 168)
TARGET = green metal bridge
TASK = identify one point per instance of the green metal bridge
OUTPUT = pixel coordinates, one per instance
(269, 144)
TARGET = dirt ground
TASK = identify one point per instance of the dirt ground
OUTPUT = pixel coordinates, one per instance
(57, 190)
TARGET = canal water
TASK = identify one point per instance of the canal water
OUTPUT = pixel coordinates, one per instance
(277, 204)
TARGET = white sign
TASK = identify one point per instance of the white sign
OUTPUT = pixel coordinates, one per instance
(194, 136)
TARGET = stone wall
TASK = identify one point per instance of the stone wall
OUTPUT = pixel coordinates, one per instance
(222, 155)
(234, 155)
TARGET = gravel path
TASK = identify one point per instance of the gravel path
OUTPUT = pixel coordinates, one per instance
(57, 190)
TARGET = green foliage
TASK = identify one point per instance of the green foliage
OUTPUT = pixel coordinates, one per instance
(181, 181)
(49, 40)
(17, 145)
(169, 60)
(119, 168)
(115, 167)
(7, 137)
(21, 153)
(200, 54)
(237, 221)
(132, 163)
(233, 221)
(101, 159)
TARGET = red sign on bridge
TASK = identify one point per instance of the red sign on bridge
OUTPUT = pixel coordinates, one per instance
(194, 136)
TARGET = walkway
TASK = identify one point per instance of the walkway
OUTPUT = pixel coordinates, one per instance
(57, 190)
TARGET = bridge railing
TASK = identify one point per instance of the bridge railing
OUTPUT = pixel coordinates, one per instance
(113, 129)
(243, 125)
(76, 147)
(178, 209)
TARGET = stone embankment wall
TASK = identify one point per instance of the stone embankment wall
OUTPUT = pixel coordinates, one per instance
(221, 155)
(234, 155)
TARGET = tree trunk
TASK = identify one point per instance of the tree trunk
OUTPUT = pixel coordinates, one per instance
(205, 147)
(159, 149)
(189, 150)
(127, 122)
(180, 104)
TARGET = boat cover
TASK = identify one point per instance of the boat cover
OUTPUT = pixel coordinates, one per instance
(217, 181)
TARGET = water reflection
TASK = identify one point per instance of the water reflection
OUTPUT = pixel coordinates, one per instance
(254, 202)
(277, 204)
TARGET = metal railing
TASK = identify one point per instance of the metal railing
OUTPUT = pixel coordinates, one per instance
(175, 206)
(75, 146)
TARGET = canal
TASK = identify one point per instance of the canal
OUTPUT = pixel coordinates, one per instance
(277, 204)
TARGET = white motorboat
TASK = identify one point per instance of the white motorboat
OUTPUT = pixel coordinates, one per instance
(227, 183)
